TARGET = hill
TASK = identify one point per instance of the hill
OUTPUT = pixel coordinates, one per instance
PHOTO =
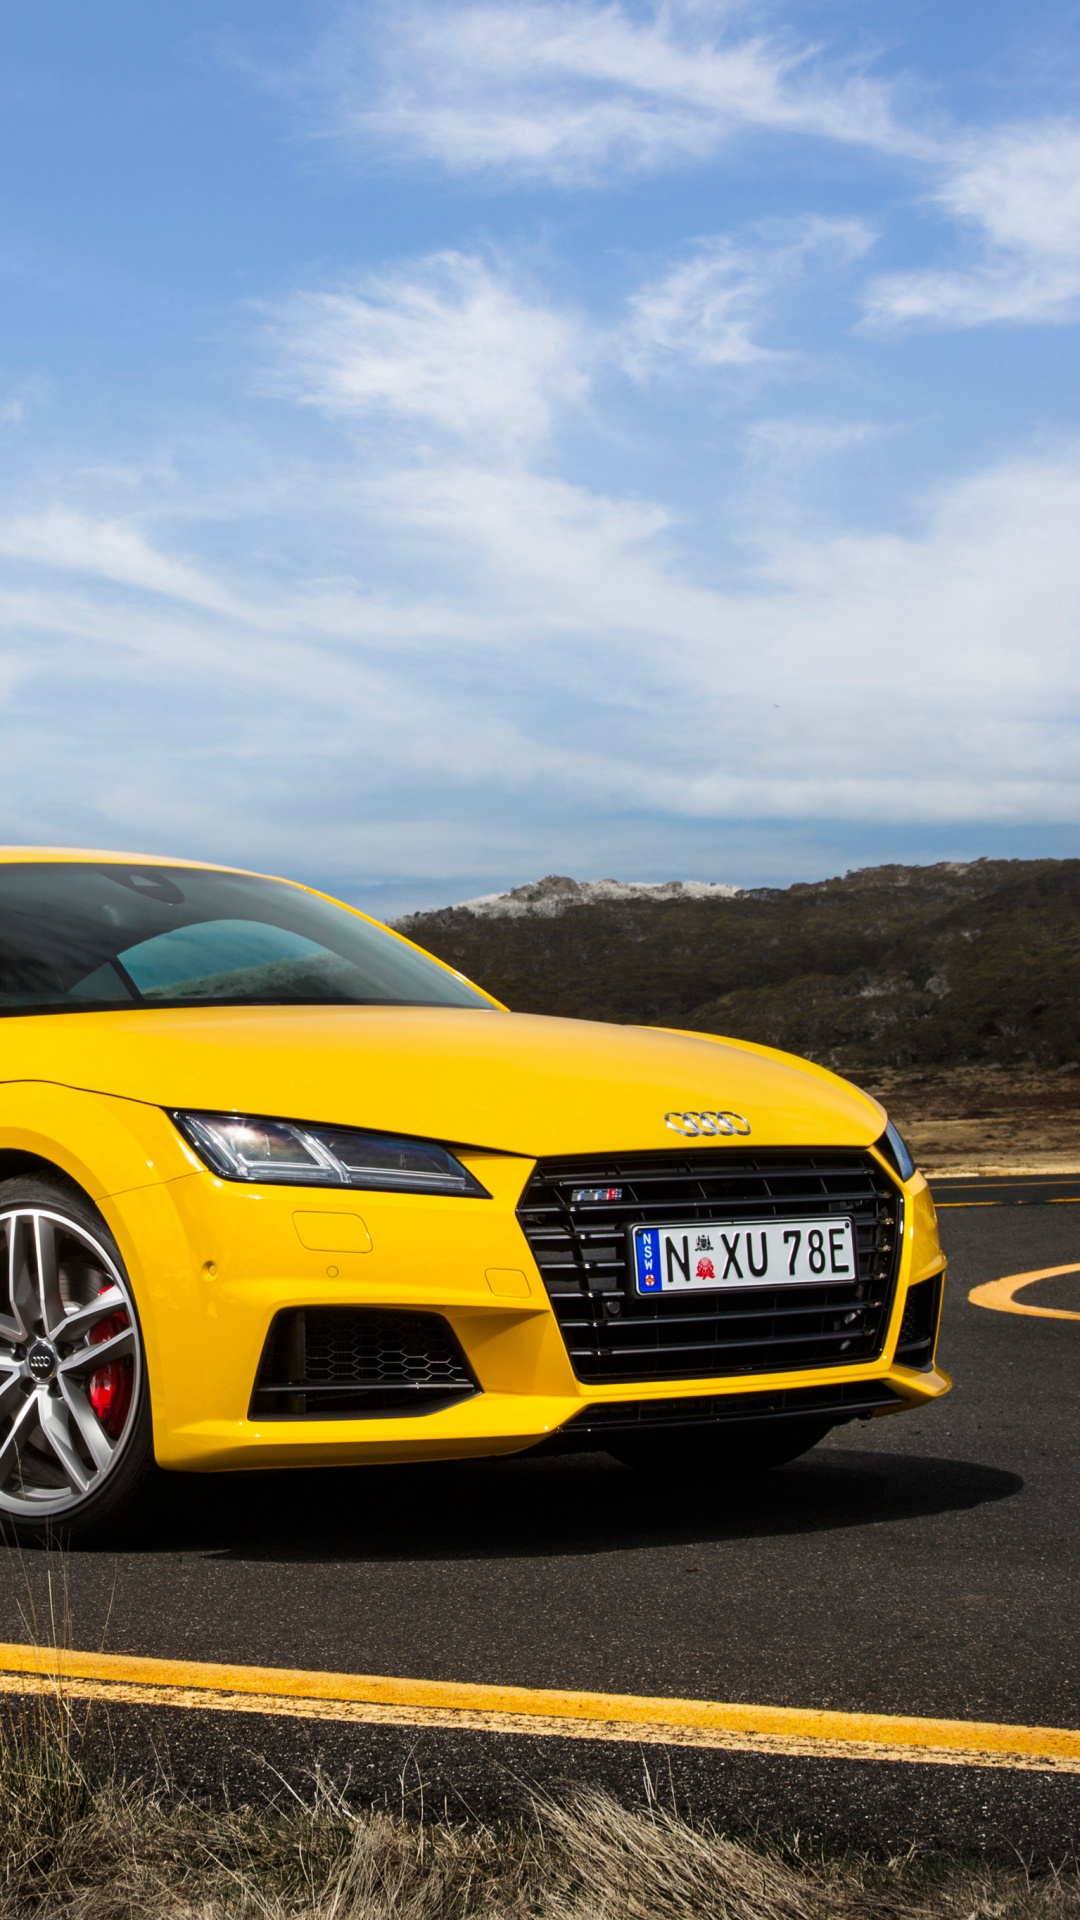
(889, 967)
(553, 895)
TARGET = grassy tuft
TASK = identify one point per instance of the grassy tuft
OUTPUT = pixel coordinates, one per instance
(75, 1848)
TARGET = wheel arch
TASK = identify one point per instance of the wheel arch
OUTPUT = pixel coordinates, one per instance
(16, 1162)
(118, 1156)
(102, 1144)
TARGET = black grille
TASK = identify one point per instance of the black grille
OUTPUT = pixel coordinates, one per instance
(854, 1401)
(334, 1363)
(919, 1324)
(582, 1249)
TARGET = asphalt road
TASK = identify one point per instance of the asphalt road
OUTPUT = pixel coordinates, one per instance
(924, 1564)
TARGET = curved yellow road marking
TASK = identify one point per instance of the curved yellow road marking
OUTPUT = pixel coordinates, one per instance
(998, 1294)
(372, 1699)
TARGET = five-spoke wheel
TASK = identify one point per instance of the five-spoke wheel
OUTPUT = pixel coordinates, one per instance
(74, 1431)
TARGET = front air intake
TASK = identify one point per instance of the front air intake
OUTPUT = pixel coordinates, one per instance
(348, 1363)
(918, 1328)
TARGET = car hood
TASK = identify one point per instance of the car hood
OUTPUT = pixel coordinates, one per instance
(515, 1083)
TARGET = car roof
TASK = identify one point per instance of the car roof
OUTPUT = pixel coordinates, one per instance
(21, 856)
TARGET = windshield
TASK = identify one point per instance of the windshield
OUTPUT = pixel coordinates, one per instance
(75, 937)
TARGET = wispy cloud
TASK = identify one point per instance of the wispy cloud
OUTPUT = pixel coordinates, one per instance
(1018, 192)
(472, 575)
(705, 310)
(114, 550)
(446, 344)
(577, 94)
(566, 92)
(592, 669)
(485, 633)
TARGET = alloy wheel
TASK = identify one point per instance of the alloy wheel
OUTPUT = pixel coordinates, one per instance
(70, 1363)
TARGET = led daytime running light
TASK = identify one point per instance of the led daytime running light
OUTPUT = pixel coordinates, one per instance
(285, 1153)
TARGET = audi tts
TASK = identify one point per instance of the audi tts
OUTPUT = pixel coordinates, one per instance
(279, 1189)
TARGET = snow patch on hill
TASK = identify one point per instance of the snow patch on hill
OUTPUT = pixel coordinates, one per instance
(556, 892)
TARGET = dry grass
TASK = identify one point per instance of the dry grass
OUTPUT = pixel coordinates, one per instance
(984, 1116)
(86, 1850)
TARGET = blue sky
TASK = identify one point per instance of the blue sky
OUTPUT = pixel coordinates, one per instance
(442, 444)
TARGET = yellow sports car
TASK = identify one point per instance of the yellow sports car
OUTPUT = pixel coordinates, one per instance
(278, 1189)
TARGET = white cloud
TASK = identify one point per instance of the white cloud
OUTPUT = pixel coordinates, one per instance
(932, 677)
(565, 92)
(1019, 191)
(573, 91)
(479, 643)
(445, 344)
(797, 446)
(703, 310)
(1024, 189)
(112, 549)
(833, 684)
(449, 346)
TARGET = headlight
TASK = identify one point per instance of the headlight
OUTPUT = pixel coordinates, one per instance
(892, 1146)
(283, 1153)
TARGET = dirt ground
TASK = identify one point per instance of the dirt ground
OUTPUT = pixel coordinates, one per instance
(986, 1119)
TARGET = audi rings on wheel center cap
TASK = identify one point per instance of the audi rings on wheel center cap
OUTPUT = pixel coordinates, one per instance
(42, 1360)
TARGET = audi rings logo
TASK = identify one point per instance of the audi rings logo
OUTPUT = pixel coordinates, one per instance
(695, 1126)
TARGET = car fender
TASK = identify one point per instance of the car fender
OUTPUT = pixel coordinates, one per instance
(105, 1144)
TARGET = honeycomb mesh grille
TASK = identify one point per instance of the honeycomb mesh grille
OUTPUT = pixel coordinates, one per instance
(333, 1363)
(582, 1247)
(918, 1328)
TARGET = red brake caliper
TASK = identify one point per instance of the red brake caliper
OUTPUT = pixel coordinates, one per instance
(110, 1385)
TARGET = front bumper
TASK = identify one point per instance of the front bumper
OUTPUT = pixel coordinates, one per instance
(213, 1262)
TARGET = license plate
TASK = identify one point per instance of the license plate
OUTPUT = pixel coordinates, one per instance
(711, 1254)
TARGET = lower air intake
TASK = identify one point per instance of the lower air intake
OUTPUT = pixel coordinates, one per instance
(918, 1328)
(344, 1363)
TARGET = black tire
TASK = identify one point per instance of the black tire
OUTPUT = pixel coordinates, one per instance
(76, 1440)
(732, 1450)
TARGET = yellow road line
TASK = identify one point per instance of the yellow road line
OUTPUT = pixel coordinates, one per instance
(941, 1206)
(998, 1294)
(371, 1699)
